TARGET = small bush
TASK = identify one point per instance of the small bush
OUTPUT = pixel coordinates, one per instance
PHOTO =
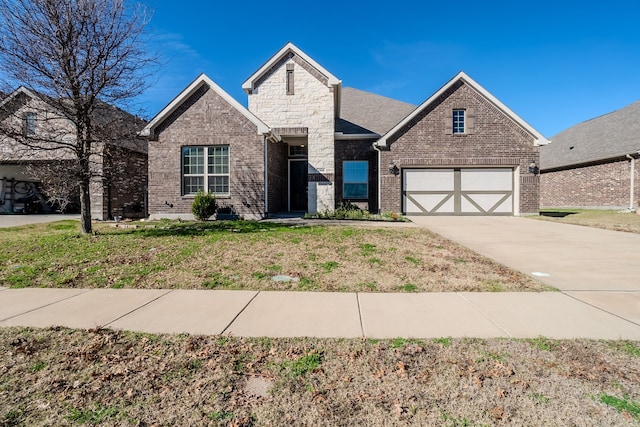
(204, 205)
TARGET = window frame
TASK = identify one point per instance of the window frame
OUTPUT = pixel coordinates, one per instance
(459, 124)
(205, 169)
(345, 183)
(29, 123)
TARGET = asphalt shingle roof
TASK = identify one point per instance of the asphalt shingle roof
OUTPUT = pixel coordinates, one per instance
(605, 137)
(366, 112)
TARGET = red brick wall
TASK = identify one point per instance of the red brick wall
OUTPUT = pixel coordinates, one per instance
(277, 167)
(207, 119)
(600, 185)
(357, 150)
(495, 140)
(124, 192)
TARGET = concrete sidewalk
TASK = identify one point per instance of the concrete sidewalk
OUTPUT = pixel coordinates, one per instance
(317, 314)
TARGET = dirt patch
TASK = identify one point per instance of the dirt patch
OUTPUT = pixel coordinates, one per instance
(66, 377)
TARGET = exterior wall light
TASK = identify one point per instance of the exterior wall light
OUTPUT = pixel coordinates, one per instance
(533, 168)
(393, 169)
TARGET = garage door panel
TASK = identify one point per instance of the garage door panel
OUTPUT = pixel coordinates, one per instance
(486, 203)
(427, 203)
(472, 191)
(428, 180)
(486, 179)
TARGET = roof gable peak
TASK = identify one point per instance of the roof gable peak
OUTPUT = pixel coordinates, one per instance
(462, 76)
(250, 83)
(201, 80)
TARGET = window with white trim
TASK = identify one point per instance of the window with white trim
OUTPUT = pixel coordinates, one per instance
(458, 121)
(205, 168)
(355, 181)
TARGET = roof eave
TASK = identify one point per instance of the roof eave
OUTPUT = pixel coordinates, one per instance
(538, 138)
(248, 84)
(149, 130)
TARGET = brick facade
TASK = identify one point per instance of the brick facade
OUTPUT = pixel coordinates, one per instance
(493, 139)
(600, 185)
(277, 166)
(205, 119)
(357, 150)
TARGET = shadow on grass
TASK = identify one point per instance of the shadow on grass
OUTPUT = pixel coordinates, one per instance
(164, 229)
(556, 214)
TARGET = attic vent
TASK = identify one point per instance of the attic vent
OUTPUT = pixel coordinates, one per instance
(289, 81)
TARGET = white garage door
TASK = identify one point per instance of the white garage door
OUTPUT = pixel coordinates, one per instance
(463, 191)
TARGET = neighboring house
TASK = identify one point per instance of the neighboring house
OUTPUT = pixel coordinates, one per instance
(120, 164)
(306, 144)
(594, 164)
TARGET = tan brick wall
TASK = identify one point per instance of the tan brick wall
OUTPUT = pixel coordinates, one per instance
(599, 185)
(494, 141)
(206, 119)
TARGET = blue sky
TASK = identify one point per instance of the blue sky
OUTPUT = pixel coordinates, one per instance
(554, 63)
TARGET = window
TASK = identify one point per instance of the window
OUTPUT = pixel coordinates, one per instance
(356, 180)
(297, 151)
(289, 78)
(214, 160)
(30, 124)
(458, 121)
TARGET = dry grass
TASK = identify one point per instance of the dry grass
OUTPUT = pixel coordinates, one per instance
(247, 255)
(102, 377)
(606, 219)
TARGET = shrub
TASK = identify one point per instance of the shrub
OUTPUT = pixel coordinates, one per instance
(204, 205)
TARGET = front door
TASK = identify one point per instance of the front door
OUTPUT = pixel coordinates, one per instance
(298, 183)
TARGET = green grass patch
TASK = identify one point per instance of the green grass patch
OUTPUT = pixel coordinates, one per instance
(624, 404)
(329, 266)
(444, 341)
(408, 287)
(96, 415)
(367, 249)
(216, 280)
(303, 365)
(542, 343)
(412, 260)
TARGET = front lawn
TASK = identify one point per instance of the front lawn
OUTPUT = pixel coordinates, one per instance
(58, 377)
(248, 255)
(607, 219)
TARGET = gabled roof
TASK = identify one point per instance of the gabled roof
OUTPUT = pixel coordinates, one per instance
(462, 76)
(201, 80)
(248, 85)
(605, 137)
(20, 90)
(365, 112)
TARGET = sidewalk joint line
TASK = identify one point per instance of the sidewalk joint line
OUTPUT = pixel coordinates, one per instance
(137, 308)
(599, 308)
(46, 305)
(239, 313)
(485, 315)
(360, 314)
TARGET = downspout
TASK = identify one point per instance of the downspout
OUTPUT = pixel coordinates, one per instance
(632, 183)
(376, 148)
(266, 178)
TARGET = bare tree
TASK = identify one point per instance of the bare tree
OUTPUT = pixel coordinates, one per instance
(78, 56)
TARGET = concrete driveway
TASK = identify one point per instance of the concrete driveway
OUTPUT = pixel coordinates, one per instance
(18, 220)
(600, 268)
(575, 258)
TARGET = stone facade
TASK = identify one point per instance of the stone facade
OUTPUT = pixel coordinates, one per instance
(493, 139)
(600, 185)
(307, 103)
(206, 119)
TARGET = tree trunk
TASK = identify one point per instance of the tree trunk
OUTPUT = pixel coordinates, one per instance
(85, 206)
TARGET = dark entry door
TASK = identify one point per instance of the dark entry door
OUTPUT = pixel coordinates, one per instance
(298, 180)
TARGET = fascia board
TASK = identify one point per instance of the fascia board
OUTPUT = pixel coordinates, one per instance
(539, 139)
(248, 84)
(187, 92)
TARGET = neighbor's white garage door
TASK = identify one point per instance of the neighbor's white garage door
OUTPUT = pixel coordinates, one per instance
(459, 191)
